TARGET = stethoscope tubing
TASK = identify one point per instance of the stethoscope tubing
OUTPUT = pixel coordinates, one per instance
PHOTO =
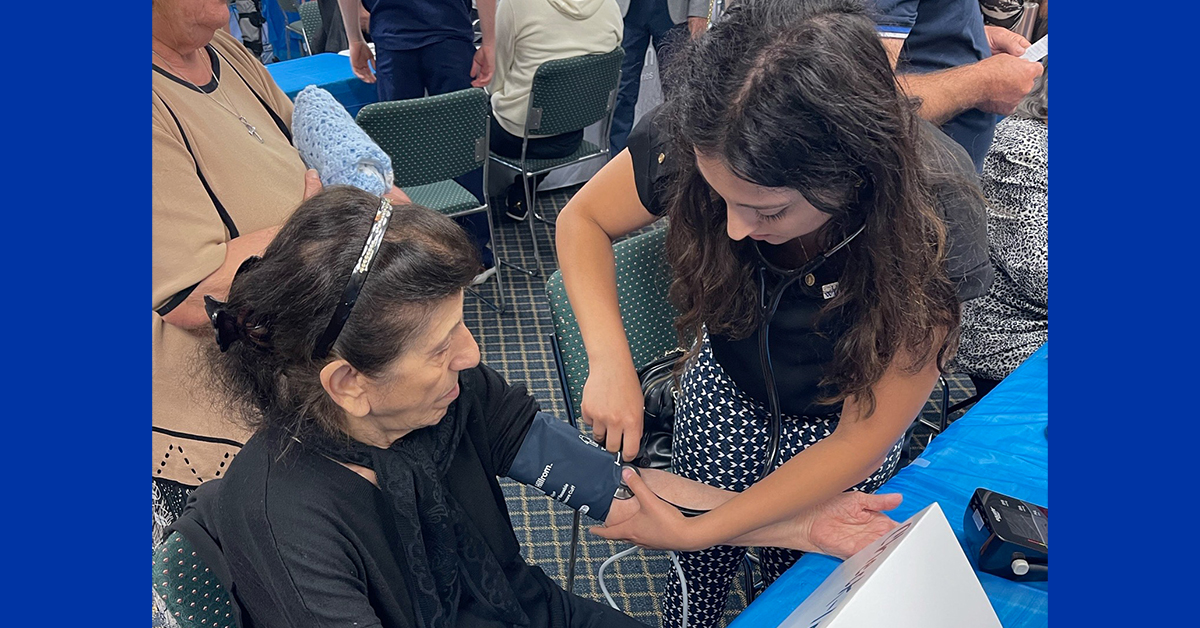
(764, 348)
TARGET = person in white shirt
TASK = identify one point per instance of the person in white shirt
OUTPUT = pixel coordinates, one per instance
(528, 34)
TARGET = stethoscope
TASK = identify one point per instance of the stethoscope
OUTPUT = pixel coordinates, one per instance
(769, 305)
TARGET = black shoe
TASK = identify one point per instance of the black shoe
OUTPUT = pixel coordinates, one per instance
(514, 204)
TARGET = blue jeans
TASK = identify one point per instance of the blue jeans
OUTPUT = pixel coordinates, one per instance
(646, 20)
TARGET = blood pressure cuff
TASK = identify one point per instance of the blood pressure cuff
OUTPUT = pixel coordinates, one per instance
(564, 464)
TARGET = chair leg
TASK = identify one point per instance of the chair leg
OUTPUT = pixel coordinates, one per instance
(574, 548)
(529, 218)
(520, 269)
(532, 236)
(748, 574)
(549, 227)
(499, 309)
(945, 404)
(496, 258)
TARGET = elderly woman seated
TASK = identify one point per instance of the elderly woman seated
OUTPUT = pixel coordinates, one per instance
(368, 494)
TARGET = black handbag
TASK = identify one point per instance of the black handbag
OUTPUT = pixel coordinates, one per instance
(659, 388)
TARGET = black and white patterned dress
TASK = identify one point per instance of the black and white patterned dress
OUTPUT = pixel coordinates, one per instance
(1004, 327)
(720, 439)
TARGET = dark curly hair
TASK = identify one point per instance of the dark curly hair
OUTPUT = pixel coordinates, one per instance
(800, 94)
(283, 302)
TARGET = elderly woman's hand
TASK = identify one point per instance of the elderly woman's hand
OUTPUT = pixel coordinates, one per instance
(312, 187)
(397, 196)
(841, 526)
(312, 184)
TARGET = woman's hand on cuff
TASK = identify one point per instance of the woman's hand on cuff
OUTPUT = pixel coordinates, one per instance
(654, 524)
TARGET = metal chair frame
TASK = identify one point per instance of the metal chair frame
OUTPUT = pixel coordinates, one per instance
(752, 586)
(304, 31)
(532, 122)
(485, 209)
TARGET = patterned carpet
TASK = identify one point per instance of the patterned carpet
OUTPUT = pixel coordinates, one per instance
(516, 344)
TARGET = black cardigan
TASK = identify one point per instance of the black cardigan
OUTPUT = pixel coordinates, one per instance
(309, 542)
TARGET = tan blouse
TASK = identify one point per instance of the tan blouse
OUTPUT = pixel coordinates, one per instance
(257, 185)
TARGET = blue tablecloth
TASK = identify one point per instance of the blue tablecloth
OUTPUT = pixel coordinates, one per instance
(1000, 444)
(328, 70)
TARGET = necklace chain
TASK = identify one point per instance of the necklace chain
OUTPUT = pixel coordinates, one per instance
(232, 110)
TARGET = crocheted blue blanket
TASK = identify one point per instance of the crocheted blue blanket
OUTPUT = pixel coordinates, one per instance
(331, 142)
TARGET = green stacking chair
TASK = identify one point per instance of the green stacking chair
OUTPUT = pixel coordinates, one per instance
(192, 592)
(310, 22)
(566, 95)
(431, 140)
(643, 282)
(643, 278)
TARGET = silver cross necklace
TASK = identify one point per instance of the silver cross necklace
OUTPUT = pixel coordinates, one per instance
(232, 111)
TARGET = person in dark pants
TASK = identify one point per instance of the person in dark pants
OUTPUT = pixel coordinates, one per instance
(660, 21)
(508, 145)
(426, 47)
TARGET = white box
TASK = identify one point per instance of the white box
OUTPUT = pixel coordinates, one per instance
(916, 575)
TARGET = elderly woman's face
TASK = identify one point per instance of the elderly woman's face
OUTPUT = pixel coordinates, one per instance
(419, 386)
(209, 14)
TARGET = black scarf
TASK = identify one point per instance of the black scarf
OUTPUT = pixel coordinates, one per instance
(441, 545)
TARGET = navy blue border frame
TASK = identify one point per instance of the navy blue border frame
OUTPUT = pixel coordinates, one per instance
(1122, 266)
(76, 198)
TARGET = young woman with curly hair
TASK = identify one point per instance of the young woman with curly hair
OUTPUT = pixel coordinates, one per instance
(811, 213)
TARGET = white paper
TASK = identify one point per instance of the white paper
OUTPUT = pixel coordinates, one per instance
(916, 576)
(1037, 51)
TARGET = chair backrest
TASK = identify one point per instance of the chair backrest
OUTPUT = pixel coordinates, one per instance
(310, 21)
(430, 139)
(572, 94)
(192, 592)
(643, 279)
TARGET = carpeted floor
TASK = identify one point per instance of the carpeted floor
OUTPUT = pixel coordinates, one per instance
(516, 344)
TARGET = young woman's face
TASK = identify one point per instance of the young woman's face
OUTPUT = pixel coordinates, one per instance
(773, 215)
(419, 386)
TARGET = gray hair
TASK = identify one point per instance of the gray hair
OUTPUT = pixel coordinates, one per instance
(1035, 104)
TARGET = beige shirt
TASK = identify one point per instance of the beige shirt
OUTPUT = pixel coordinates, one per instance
(532, 32)
(258, 185)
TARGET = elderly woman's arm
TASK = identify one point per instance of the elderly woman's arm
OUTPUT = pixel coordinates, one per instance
(805, 482)
(540, 451)
(189, 313)
(840, 526)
